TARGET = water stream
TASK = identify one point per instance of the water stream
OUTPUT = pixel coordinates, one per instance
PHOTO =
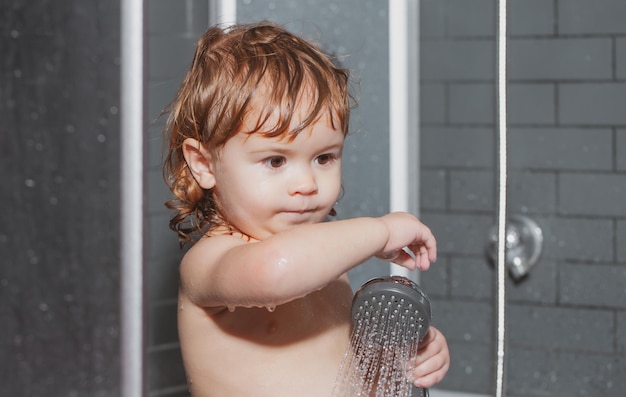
(378, 361)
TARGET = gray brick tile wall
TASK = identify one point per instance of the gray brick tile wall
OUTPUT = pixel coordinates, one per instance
(169, 17)
(466, 320)
(566, 156)
(162, 322)
(457, 147)
(552, 373)
(532, 17)
(160, 92)
(471, 365)
(620, 56)
(472, 190)
(561, 328)
(561, 148)
(597, 285)
(620, 149)
(154, 146)
(621, 336)
(165, 368)
(593, 194)
(531, 104)
(432, 103)
(531, 192)
(435, 25)
(467, 101)
(560, 58)
(173, 28)
(175, 62)
(470, 278)
(584, 374)
(461, 59)
(157, 193)
(537, 371)
(458, 231)
(470, 18)
(437, 279)
(162, 279)
(540, 286)
(621, 241)
(577, 239)
(584, 17)
(162, 241)
(434, 189)
(592, 103)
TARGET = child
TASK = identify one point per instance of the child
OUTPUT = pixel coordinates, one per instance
(256, 136)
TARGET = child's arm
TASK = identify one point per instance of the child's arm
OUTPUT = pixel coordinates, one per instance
(433, 359)
(224, 270)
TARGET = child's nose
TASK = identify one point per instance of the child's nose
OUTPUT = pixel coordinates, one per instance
(303, 182)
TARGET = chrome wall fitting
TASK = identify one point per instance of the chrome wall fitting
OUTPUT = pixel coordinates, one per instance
(524, 241)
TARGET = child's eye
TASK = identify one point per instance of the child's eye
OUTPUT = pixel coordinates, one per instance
(325, 158)
(275, 161)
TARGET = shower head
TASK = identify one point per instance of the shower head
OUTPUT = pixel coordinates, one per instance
(391, 316)
(396, 295)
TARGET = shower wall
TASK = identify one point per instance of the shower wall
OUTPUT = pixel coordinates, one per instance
(567, 171)
(59, 216)
(172, 30)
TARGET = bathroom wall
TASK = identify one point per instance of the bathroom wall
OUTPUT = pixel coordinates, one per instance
(567, 145)
(172, 30)
(59, 216)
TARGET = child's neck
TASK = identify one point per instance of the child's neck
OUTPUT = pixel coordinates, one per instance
(229, 231)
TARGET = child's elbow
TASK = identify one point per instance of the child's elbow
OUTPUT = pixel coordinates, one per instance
(276, 278)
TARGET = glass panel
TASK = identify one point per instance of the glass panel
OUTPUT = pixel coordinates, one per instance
(59, 223)
(566, 140)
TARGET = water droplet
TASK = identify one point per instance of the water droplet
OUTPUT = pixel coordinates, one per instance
(271, 308)
(231, 308)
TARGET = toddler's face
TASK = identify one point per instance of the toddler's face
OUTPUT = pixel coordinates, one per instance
(268, 185)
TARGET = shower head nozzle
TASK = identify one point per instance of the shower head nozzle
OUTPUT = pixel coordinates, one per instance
(394, 293)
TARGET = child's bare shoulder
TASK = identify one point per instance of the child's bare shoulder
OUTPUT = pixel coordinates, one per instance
(206, 253)
(214, 246)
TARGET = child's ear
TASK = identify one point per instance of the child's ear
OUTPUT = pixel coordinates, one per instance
(199, 162)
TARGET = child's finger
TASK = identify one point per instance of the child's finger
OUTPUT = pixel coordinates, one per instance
(430, 372)
(405, 260)
(423, 256)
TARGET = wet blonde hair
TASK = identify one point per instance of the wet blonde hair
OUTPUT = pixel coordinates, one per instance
(234, 72)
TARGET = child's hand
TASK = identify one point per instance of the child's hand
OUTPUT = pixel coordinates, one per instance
(405, 230)
(432, 361)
